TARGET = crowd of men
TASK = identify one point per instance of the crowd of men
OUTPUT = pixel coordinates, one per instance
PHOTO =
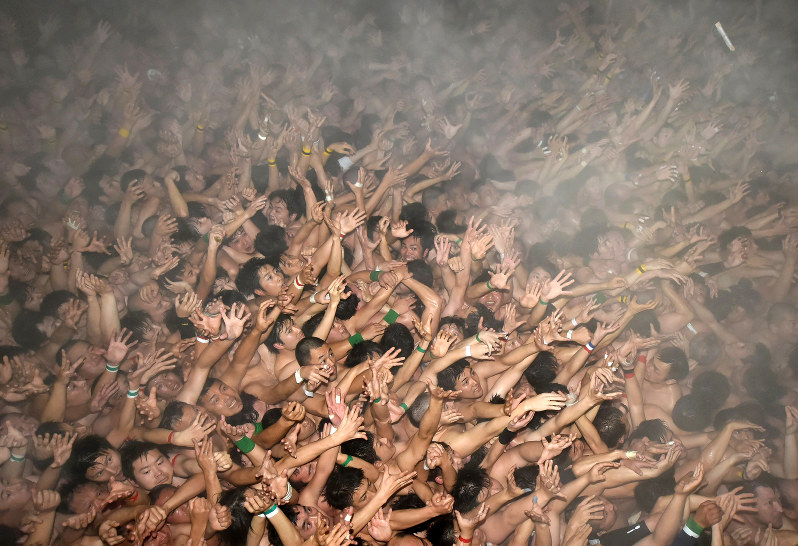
(401, 273)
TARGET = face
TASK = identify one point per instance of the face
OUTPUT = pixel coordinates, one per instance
(291, 265)
(187, 416)
(167, 385)
(385, 449)
(492, 300)
(303, 473)
(106, 466)
(324, 356)
(85, 497)
(610, 515)
(657, 371)
(411, 249)
(15, 493)
(78, 392)
(195, 181)
(611, 245)
(290, 335)
(363, 494)
(242, 242)
(278, 214)
(270, 280)
(788, 328)
(768, 507)
(94, 363)
(152, 469)
(307, 520)
(222, 400)
(468, 383)
(538, 274)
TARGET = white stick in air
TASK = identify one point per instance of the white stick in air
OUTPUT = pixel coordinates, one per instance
(724, 36)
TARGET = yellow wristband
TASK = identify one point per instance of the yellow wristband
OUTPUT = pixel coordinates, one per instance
(200, 128)
(124, 133)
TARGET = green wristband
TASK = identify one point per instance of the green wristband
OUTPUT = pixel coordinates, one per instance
(258, 428)
(6, 299)
(403, 406)
(541, 302)
(377, 400)
(16, 459)
(245, 444)
(478, 340)
(348, 460)
(374, 276)
(458, 241)
(693, 526)
(420, 350)
(355, 339)
(489, 286)
(207, 237)
(391, 316)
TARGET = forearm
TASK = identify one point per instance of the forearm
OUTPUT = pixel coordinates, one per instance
(179, 205)
(93, 321)
(791, 455)
(671, 521)
(55, 408)
(110, 316)
(42, 529)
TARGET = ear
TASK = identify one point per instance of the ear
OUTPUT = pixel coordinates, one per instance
(279, 346)
(473, 198)
(670, 381)
(259, 292)
(292, 217)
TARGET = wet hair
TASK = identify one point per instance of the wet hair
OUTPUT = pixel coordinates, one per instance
(53, 428)
(230, 297)
(137, 322)
(542, 370)
(339, 491)
(706, 348)
(447, 378)
(361, 352)
(310, 325)
(399, 337)
(654, 429)
(131, 176)
(610, 424)
(171, 414)
(642, 322)
(649, 491)
(283, 323)
(691, 413)
(52, 301)
(467, 488)
(421, 271)
(241, 518)
(425, 232)
(304, 347)
(713, 388)
(25, 329)
(248, 279)
(414, 213)
(725, 238)
(271, 242)
(348, 307)
(441, 530)
(133, 450)
(447, 222)
(362, 448)
(459, 323)
(526, 476)
(679, 367)
(85, 451)
(294, 201)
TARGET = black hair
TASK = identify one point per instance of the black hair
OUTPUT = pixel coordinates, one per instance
(610, 424)
(361, 352)
(25, 329)
(653, 429)
(447, 222)
(421, 271)
(691, 413)
(171, 414)
(467, 488)
(133, 450)
(284, 321)
(362, 448)
(416, 411)
(447, 378)
(294, 201)
(542, 370)
(53, 428)
(706, 348)
(398, 336)
(347, 307)
(248, 413)
(642, 322)
(679, 367)
(52, 301)
(304, 347)
(425, 232)
(85, 452)
(725, 238)
(131, 176)
(237, 532)
(713, 388)
(414, 213)
(526, 476)
(137, 322)
(459, 323)
(248, 279)
(310, 325)
(441, 530)
(649, 491)
(340, 488)
(271, 242)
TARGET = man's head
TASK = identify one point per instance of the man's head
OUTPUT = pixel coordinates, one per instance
(260, 277)
(284, 336)
(313, 351)
(783, 321)
(417, 245)
(768, 504)
(145, 464)
(220, 399)
(347, 486)
(668, 367)
(283, 209)
(93, 458)
(460, 377)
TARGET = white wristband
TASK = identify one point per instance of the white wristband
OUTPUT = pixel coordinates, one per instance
(345, 163)
(358, 184)
(288, 493)
(573, 321)
(203, 340)
(313, 297)
(309, 394)
(333, 429)
(468, 350)
(569, 333)
(298, 376)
